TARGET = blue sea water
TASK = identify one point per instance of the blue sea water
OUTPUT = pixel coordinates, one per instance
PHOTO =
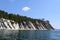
(30, 35)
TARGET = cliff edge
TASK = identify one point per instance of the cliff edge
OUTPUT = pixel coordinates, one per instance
(17, 22)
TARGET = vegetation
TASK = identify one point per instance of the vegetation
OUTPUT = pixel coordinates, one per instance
(16, 18)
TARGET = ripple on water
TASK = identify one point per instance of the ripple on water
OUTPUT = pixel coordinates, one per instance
(30, 35)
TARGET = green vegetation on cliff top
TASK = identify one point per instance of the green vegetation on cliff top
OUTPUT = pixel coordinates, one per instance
(17, 18)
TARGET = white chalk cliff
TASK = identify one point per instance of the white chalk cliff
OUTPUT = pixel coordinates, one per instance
(12, 21)
(12, 25)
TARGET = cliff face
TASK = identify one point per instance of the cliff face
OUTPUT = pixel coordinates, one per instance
(24, 25)
(17, 22)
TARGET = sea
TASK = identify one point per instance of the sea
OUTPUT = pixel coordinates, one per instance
(29, 34)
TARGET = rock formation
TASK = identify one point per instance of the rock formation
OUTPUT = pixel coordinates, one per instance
(17, 22)
(9, 24)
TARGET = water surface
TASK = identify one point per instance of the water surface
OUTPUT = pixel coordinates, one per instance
(30, 35)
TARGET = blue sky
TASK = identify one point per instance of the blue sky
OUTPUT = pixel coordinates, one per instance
(47, 9)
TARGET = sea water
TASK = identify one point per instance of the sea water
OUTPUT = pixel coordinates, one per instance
(29, 34)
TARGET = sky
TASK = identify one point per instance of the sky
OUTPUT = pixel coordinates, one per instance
(39, 9)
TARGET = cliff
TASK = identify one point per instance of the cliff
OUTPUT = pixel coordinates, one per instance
(17, 22)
